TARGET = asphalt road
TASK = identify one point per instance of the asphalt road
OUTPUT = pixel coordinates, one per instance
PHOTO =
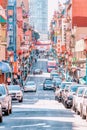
(40, 111)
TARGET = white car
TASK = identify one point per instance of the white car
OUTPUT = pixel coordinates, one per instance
(30, 86)
(15, 92)
(0, 112)
(77, 99)
(5, 99)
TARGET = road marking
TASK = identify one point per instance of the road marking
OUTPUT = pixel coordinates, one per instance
(40, 124)
(47, 75)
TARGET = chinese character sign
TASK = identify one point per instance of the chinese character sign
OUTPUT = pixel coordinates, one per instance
(11, 25)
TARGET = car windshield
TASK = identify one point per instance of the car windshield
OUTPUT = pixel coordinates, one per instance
(13, 87)
(2, 90)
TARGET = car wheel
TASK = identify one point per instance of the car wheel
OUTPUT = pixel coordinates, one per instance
(65, 104)
(0, 119)
(21, 100)
(74, 109)
(83, 116)
(7, 112)
(77, 112)
(10, 111)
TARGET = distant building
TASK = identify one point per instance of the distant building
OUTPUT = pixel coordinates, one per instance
(4, 3)
(38, 16)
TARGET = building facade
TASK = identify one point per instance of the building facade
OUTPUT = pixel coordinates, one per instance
(38, 11)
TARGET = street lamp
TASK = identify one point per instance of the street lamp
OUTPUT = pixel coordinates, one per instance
(85, 52)
(66, 63)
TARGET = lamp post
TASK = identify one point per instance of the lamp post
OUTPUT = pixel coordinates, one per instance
(85, 51)
(66, 58)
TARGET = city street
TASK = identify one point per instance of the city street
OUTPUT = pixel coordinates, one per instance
(40, 111)
(43, 65)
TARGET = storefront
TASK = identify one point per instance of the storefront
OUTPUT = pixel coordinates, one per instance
(5, 72)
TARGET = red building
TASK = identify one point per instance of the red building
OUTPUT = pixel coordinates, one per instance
(4, 3)
(79, 13)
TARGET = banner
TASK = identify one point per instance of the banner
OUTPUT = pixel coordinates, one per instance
(11, 26)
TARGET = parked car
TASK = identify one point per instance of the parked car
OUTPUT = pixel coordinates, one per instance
(83, 105)
(37, 71)
(77, 99)
(30, 86)
(5, 99)
(15, 92)
(65, 92)
(48, 84)
(60, 92)
(57, 81)
(0, 112)
(68, 101)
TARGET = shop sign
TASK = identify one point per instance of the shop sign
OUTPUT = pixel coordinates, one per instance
(11, 25)
(0, 72)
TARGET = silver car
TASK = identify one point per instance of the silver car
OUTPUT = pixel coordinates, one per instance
(5, 99)
(15, 92)
(0, 112)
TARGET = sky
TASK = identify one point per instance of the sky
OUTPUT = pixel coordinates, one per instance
(52, 6)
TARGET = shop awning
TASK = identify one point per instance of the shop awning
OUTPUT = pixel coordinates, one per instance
(5, 67)
(2, 20)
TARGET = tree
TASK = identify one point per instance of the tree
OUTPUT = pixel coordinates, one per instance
(35, 35)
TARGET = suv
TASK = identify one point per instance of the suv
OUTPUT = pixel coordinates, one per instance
(0, 112)
(5, 99)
